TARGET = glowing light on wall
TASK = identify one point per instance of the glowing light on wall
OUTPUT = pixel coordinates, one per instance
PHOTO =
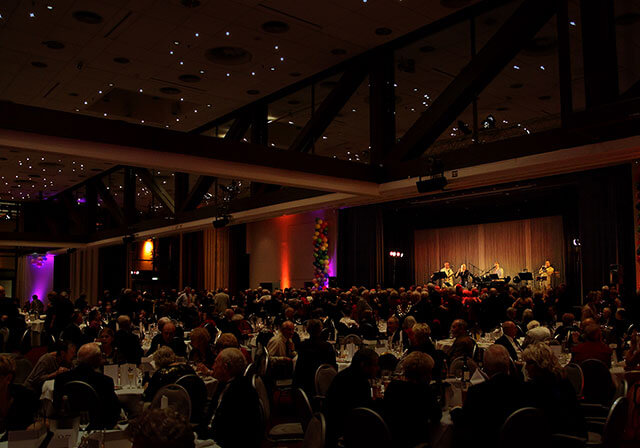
(285, 268)
(39, 276)
(147, 250)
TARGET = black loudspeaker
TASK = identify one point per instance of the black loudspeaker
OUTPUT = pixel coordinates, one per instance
(615, 274)
(434, 184)
(267, 285)
(308, 284)
(333, 282)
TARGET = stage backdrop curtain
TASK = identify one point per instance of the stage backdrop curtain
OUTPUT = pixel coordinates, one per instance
(83, 273)
(216, 258)
(516, 245)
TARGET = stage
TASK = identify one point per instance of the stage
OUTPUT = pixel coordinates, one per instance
(517, 245)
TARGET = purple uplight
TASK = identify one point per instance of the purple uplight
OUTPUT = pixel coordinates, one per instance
(40, 275)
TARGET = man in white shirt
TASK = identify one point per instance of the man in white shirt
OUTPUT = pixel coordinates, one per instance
(497, 270)
(508, 339)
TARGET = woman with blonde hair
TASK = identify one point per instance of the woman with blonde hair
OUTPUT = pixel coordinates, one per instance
(548, 389)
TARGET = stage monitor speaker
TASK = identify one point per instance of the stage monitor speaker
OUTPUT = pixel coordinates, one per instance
(333, 282)
(433, 184)
(267, 285)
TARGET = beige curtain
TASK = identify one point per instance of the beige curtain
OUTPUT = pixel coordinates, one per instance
(83, 273)
(516, 245)
(216, 258)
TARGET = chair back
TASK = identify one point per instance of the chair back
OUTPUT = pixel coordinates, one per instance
(622, 390)
(575, 377)
(197, 391)
(250, 370)
(352, 339)
(303, 408)
(316, 434)
(525, 428)
(598, 385)
(263, 395)
(365, 428)
(615, 424)
(455, 368)
(82, 397)
(178, 399)
(324, 377)
(261, 361)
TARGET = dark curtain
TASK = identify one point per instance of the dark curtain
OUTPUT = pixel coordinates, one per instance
(193, 260)
(112, 264)
(606, 227)
(360, 236)
(61, 274)
(238, 258)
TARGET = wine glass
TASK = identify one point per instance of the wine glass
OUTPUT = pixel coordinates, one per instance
(130, 375)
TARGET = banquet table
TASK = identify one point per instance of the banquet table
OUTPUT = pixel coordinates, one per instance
(445, 344)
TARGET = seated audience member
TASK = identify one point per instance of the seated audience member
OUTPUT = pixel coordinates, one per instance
(227, 324)
(420, 340)
(311, 354)
(395, 336)
(489, 403)
(282, 351)
(368, 326)
(592, 347)
(35, 306)
(18, 404)
(632, 355)
(508, 339)
(167, 337)
(109, 352)
(126, 343)
(93, 328)
(72, 332)
(168, 371)
(228, 340)
(567, 326)
(51, 365)
(536, 333)
(549, 391)
(410, 405)
(161, 428)
(201, 352)
(234, 417)
(89, 363)
(350, 389)
(462, 345)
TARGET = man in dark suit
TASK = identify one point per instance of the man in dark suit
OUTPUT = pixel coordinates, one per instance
(508, 339)
(234, 418)
(488, 404)
(350, 389)
(126, 343)
(311, 354)
(89, 361)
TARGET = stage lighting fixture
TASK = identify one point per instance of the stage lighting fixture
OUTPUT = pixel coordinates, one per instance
(464, 128)
(433, 184)
(221, 221)
(489, 122)
(576, 242)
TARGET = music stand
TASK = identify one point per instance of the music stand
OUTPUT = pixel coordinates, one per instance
(438, 276)
(526, 276)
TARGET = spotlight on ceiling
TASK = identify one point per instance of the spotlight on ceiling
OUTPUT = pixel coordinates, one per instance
(221, 221)
(433, 184)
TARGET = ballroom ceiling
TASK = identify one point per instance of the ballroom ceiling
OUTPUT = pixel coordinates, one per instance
(182, 63)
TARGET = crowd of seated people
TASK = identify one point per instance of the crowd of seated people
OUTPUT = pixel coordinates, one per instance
(87, 334)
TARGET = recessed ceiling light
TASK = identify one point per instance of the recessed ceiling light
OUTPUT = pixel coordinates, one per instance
(39, 64)
(275, 27)
(383, 31)
(121, 60)
(53, 44)
(87, 17)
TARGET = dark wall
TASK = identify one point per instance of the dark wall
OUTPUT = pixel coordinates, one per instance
(193, 260)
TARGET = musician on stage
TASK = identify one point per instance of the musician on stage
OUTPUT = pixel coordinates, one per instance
(497, 270)
(464, 274)
(448, 280)
(545, 274)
